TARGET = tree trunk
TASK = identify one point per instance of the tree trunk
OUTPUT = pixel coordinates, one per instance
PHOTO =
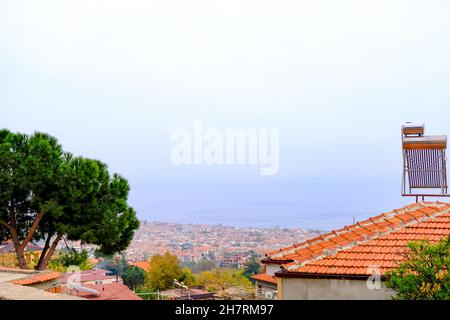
(20, 247)
(20, 252)
(44, 252)
(50, 252)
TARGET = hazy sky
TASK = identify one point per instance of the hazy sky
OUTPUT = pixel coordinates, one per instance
(112, 79)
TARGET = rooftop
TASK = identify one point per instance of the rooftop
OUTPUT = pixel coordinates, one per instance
(37, 278)
(379, 241)
(89, 275)
(144, 265)
(110, 291)
(14, 285)
(265, 277)
(8, 246)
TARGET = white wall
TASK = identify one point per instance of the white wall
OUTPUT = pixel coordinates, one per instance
(271, 268)
(318, 289)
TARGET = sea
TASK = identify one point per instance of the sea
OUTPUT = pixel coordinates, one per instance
(311, 204)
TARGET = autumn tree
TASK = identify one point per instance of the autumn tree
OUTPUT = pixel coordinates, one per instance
(223, 278)
(188, 277)
(424, 275)
(163, 269)
(47, 194)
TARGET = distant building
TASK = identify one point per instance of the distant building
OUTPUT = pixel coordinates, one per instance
(350, 263)
(91, 277)
(144, 265)
(231, 261)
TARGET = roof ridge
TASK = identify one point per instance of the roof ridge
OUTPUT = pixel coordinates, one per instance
(330, 235)
(351, 244)
(361, 224)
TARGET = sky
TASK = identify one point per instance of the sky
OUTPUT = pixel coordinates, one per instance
(112, 79)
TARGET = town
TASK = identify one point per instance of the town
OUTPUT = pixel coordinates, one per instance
(227, 246)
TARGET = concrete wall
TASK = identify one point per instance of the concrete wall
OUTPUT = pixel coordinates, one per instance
(272, 268)
(10, 291)
(330, 289)
(47, 285)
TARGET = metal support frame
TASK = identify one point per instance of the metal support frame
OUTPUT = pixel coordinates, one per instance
(438, 166)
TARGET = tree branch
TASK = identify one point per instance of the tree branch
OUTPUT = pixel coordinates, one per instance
(32, 229)
(51, 251)
(7, 225)
(44, 251)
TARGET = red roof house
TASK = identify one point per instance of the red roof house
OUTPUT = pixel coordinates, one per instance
(346, 258)
(144, 265)
(110, 291)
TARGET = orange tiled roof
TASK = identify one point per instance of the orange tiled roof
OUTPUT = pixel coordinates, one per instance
(265, 277)
(110, 291)
(144, 265)
(379, 241)
(38, 278)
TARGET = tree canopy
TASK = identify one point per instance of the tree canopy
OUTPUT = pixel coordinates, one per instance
(253, 266)
(163, 269)
(47, 194)
(70, 257)
(223, 278)
(424, 275)
(133, 277)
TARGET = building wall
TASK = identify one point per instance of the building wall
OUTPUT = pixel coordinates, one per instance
(332, 289)
(272, 268)
(265, 285)
(103, 281)
(48, 285)
(266, 291)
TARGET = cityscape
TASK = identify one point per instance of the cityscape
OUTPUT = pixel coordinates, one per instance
(237, 153)
(228, 246)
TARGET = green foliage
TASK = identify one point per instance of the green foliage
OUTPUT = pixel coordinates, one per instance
(95, 207)
(252, 267)
(163, 269)
(188, 277)
(145, 294)
(219, 279)
(425, 274)
(200, 266)
(66, 196)
(29, 175)
(133, 277)
(116, 264)
(70, 258)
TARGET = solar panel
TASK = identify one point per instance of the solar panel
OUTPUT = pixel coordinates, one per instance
(424, 162)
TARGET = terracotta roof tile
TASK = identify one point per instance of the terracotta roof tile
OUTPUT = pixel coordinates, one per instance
(144, 265)
(378, 241)
(109, 291)
(38, 278)
(265, 277)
